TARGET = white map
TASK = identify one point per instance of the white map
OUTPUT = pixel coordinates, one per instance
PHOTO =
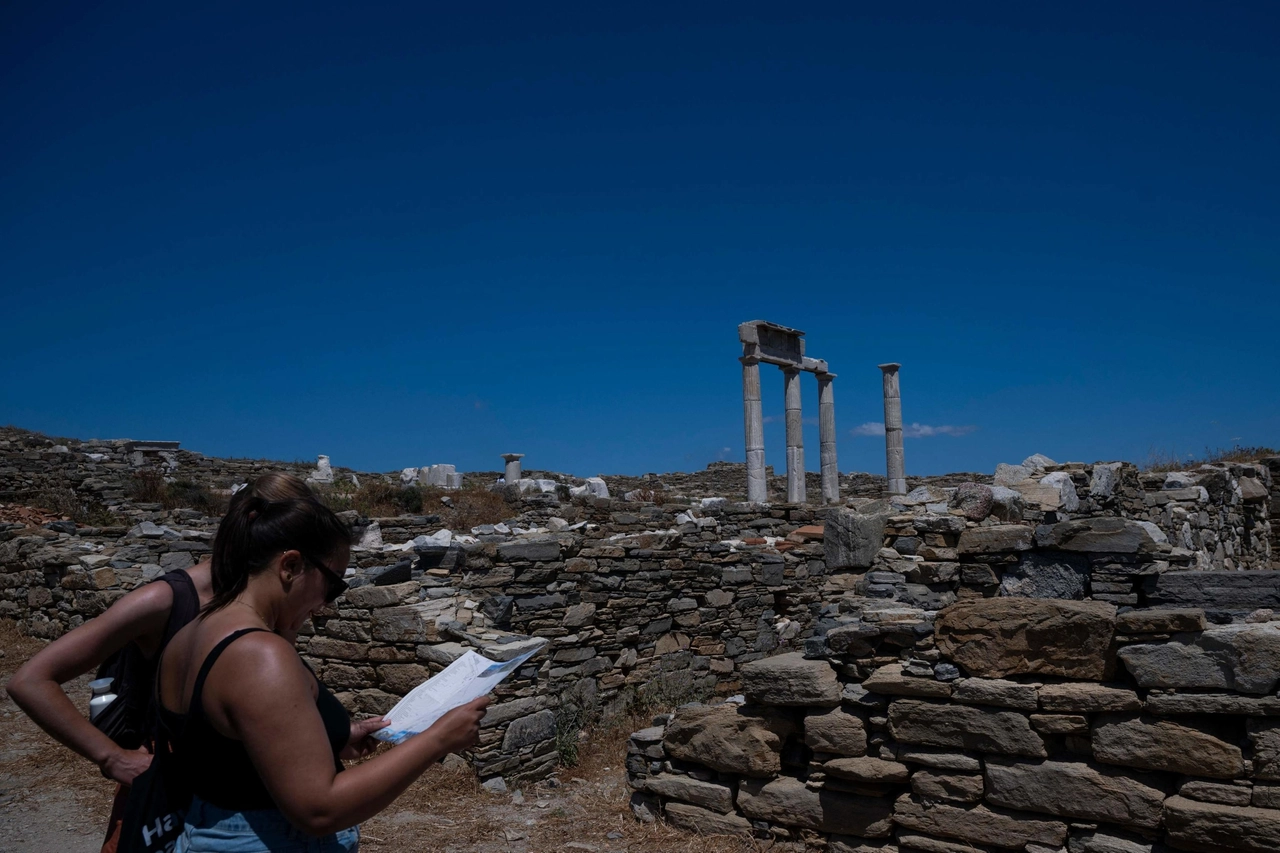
(469, 677)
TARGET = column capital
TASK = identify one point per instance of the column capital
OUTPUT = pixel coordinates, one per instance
(825, 377)
(749, 359)
(891, 367)
(512, 457)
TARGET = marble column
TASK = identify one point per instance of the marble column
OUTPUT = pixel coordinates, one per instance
(895, 460)
(795, 437)
(512, 472)
(753, 418)
(827, 439)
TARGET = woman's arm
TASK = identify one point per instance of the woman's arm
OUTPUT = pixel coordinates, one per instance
(265, 698)
(36, 686)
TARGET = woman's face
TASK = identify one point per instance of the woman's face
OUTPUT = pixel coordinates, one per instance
(311, 587)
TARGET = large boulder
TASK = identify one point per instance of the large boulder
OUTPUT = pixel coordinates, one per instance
(788, 801)
(1076, 789)
(1155, 744)
(790, 679)
(729, 738)
(995, 637)
(851, 539)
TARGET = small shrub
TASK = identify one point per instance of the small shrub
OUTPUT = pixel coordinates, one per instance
(68, 503)
(185, 494)
(148, 486)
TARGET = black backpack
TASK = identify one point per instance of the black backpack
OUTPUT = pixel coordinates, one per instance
(129, 720)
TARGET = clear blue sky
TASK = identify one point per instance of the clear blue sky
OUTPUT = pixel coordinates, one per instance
(417, 233)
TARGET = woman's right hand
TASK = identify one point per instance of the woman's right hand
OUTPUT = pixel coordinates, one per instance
(125, 765)
(460, 728)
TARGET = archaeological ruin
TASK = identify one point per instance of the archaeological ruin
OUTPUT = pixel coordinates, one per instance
(1078, 657)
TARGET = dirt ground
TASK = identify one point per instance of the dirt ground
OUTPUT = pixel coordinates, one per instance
(53, 801)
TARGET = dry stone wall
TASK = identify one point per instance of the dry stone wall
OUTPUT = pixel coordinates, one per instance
(672, 599)
(1017, 724)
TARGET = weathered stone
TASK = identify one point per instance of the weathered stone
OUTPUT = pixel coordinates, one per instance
(852, 539)
(875, 771)
(1084, 698)
(1244, 657)
(1064, 492)
(1210, 828)
(835, 731)
(1085, 839)
(937, 758)
(994, 637)
(852, 844)
(964, 726)
(1174, 704)
(402, 677)
(910, 842)
(999, 538)
(1103, 480)
(1060, 724)
(1264, 740)
(955, 787)
(1006, 504)
(1216, 792)
(1160, 620)
(323, 647)
(789, 802)
(1153, 744)
(579, 615)
(1241, 592)
(709, 795)
(996, 691)
(790, 679)
(890, 680)
(531, 550)
(1076, 789)
(974, 500)
(529, 730)
(977, 824)
(1007, 475)
(1101, 536)
(729, 738)
(705, 822)
(1047, 575)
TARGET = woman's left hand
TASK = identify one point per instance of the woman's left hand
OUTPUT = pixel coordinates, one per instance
(362, 742)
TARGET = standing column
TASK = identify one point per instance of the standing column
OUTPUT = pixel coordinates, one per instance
(512, 472)
(895, 459)
(753, 418)
(827, 439)
(795, 437)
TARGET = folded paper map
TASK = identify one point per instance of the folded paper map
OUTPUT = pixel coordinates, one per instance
(469, 677)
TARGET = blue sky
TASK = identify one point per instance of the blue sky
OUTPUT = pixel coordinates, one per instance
(418, 233)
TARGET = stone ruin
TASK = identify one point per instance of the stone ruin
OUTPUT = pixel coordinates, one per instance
(999, 665)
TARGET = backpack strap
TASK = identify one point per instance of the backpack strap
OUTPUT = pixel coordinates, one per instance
(186, 603)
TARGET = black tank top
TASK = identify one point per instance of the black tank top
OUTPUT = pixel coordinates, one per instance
(218, 769)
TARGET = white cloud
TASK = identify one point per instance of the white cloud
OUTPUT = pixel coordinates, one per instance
(914, 430)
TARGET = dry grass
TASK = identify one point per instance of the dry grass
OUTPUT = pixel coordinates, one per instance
(471, 506)
(447, 810)
(1166, 460)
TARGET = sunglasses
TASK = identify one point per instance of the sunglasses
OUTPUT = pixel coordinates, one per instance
(336, 585)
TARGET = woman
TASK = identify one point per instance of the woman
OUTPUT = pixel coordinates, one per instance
(138, 625)
(256, 738)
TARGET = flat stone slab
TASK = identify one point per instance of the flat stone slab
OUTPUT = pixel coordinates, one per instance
(1213, 828)
(788, 801)
(1241, 592)
(704, 821)
(996, 637)
(1076, 790)
(977, 824)
(791, 679)
(729, 738)
(1156, 744)
(965, 727)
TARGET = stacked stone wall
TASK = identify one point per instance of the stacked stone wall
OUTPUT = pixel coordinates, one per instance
(1012, 724)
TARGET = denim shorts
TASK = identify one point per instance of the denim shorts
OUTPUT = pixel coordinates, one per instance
(210, 829)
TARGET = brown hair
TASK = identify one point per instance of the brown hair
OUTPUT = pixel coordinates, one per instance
(276, 512)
